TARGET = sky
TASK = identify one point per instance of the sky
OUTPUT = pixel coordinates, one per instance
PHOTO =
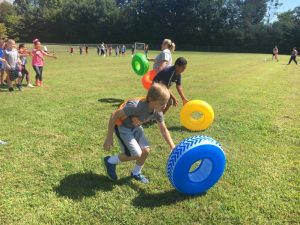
(288, 4)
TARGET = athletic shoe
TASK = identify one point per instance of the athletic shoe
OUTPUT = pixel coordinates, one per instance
(30, 85)
(37, 83)
(140, 177)
(3, 142)
(41, 84)
(110, 169)
(11, 89)
(19, 86)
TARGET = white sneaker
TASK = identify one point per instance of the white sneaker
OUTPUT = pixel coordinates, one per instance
(3, 143)
(30, 86)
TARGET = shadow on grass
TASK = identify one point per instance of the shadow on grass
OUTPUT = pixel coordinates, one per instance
(3, 88)
(148, 200)
(79, 185)
(181, 129)
(114, 101)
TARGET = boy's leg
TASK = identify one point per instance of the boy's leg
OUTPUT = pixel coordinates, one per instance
(140, 161)
(135, 147)
(290, 60)
(130, 148)
(1, 75)
(19, 83)
(9, 81)
(26, 74)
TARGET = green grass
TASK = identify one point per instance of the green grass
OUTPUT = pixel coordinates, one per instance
(51, 172)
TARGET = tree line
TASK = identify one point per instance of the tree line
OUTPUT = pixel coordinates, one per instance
(235, 25)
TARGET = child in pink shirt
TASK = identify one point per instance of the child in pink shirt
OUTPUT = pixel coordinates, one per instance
(38, 61)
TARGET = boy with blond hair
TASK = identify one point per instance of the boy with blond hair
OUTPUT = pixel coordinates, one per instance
(11, 56)
(127, 122)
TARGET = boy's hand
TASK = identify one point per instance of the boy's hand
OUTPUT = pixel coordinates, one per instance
(136, 122)
(185, 101)
(108, 144)
(8, 66)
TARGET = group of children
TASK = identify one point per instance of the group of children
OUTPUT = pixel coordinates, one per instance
(13, 62)
(127, 121)
(107, 50)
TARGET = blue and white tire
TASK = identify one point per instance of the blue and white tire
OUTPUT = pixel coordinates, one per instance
(187, 153)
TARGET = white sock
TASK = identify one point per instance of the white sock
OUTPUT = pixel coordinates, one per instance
(137, 170)
(114, 159)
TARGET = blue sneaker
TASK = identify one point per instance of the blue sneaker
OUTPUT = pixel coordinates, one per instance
(140, 177)
(110, 169)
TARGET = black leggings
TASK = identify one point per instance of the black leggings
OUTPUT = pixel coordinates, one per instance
(293, 58)
(25, 72)
(39, 72)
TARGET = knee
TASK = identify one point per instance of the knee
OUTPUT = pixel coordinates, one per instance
(146, 150)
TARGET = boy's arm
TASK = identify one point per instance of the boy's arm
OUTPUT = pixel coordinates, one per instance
(162, 65)
(5, 61)
(25, 54)
(118, 114)
(166, 134)
(175, 101)
(180, 92)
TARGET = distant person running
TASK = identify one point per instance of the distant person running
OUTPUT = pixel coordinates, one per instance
(132, 50)
(275, 53)
(80, 50)
(109, 50)
(102, 49)
(71, 50)
(86, 49)
(165, 57)
(146, 50)
(123, 50)
(98, 50)
(38, 61)
(106, 49)
(294, 56)
(117, 50)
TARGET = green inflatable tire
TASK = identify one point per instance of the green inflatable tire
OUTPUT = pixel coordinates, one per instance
(140, 64)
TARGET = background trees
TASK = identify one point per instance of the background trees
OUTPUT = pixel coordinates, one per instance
(244, 25)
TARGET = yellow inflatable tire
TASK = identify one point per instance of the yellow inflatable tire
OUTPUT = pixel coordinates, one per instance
(197, 106)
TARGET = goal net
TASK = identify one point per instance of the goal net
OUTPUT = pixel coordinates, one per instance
(139, 46)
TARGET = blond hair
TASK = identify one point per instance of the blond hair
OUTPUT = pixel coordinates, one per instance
(158, 92)
(171, 45)
(11, 41)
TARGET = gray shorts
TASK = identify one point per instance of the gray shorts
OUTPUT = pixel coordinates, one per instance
(2, 67)
(132, 141)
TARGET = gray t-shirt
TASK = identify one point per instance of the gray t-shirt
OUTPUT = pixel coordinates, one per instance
(165, 55)
(11, 57)
(139, 109)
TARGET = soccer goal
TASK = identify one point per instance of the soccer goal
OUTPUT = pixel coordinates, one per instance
(138, 46)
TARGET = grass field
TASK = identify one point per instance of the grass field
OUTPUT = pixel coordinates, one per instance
(51, 171)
